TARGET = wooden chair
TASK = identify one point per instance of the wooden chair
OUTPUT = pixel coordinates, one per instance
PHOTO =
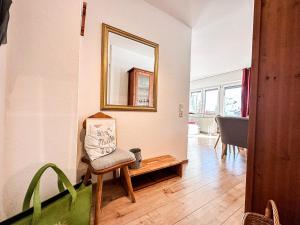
(124, 159)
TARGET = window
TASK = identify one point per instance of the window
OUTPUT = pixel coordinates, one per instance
(211, 101)
(196, 102)
(232, 101)
(223, 99)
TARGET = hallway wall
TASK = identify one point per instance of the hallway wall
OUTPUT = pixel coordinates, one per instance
(3, 76)
(156, 133)
(40, 96)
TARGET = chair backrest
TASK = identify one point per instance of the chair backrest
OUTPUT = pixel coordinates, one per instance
(234, 130)
(101, 119)
(98, 115)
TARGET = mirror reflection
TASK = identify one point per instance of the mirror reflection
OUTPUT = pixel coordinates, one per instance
(130, 73)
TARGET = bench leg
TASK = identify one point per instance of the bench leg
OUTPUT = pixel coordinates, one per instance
(115, 176)
(179, 170)
(98, 199)
(128, 182)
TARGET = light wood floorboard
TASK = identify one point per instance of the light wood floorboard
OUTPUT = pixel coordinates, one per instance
(211, 192)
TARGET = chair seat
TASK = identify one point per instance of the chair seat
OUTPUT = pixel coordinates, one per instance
(113, 159)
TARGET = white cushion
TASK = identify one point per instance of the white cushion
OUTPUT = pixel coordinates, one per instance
(116, 157)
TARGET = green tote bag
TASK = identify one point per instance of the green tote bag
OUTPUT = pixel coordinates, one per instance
(70, 207)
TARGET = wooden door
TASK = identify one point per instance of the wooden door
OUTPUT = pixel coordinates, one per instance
(273, 170)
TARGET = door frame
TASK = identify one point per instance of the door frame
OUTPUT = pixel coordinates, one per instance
(253, 105)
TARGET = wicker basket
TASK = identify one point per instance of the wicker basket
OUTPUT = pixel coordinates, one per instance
(271, 216)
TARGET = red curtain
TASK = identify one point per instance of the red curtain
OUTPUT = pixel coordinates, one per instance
(245, 92)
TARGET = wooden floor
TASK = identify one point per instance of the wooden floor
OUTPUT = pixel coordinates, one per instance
(211, 191)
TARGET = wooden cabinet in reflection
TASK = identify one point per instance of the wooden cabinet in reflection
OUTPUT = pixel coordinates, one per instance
(140, 87)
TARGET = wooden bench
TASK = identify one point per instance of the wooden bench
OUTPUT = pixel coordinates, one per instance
(154, 170)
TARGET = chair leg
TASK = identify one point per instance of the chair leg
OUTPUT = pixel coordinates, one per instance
(98, 199)
(233, 151)
(87, 176)
(128, 182)
(217, 142)
(224, 150)
(229, 147)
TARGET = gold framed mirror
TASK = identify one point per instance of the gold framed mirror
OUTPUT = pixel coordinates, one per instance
(129, 71)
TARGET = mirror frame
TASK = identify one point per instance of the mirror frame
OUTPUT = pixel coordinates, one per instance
(106, 29)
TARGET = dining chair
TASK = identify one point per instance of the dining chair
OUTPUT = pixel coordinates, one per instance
(233, 131)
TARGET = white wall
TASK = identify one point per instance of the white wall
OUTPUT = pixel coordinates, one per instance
(41, 88)
(41, 96)
(222, 39)
(157, 133)
(217, 80)
(2, 118)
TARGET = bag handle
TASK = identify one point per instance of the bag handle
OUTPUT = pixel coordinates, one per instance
(272, 212)
(34, 189)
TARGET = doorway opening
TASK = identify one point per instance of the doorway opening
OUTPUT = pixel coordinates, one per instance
(221, 56)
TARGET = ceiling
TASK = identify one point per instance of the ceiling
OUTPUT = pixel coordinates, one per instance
(186, 11)
(195, 13)
(221, 33)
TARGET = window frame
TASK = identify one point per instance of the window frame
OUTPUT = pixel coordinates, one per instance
(228, 86)
(221, 97)
(218, 88)
(201, 105)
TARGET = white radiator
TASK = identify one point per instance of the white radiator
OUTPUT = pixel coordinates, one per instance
(206, 125)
